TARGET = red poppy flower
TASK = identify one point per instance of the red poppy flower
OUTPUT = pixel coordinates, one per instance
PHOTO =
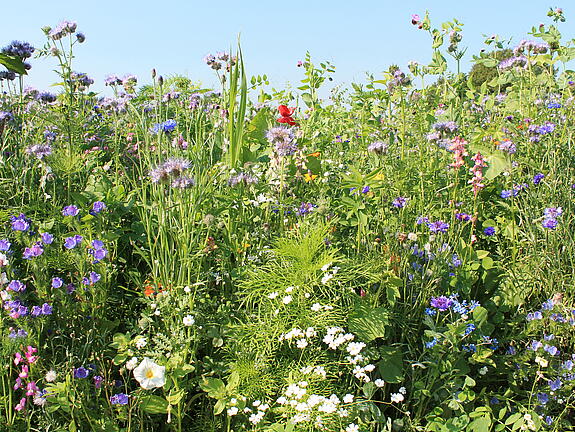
(286, 115)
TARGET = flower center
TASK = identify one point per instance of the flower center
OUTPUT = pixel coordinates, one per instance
(149, 373)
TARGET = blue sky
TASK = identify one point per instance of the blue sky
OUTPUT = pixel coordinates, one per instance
(173, 36)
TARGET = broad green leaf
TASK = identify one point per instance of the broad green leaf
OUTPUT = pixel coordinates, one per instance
(391, 365)
(368, 323)
(13, 64)
(153, 404)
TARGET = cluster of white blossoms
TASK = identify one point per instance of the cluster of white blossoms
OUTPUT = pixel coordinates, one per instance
(316, 307)
(312, 407)
(398, 397)
(301, 336)
(256, 414)
(286, 299)
(314, 371)
(328, 273)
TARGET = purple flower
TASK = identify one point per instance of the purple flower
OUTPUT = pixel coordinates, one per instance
(72, 242)
(535, 345)
(47, 238)
(20, 223)
(543, 398)
(399, 202)
(166, 127)
(537, 178)
(97, 207)
(507, 194)
(553, 212)
(81, 372)
(98, 380)
(489, 231)
(119, 399)
(35, 251)
(555, 385)
(305, 208)
(36, 311)
(549, 223)
(5, 245)
(70, 210)
(70, 288)
(98, 251)
(442, 303)
(46, 309)
(551, 349)
(438, 226)
(16, 286)
(57, 282)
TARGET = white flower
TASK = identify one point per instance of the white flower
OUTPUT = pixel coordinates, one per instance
(232, 411)
(51, 376)
(273, 295)
(189, 320)
(483, 370)
(132, 363)
(397, 397)
(3, 279)
(352, 428)
(541, 361)
(287, 299)
(281, 400)
(402, 390)
(379, 382)
(289, 289)
(354, 348)
(157, 312)
(342, 412)
(141, 342)
(412, 236)
(301, 343)
(326, 278)
(348, 398)
(325, 267)
(187, 289)
(150, 375)
(3, 260)
(316, 307)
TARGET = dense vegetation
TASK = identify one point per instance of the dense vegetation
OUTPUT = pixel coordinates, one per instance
(397, 257)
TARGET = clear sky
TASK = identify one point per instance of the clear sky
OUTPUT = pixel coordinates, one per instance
(173, 36)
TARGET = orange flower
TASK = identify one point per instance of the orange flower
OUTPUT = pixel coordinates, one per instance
(314, 154)
(149, 290)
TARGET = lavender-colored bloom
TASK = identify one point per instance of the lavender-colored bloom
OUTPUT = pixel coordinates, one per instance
(446, 127)
(34, 251)
(70, 288)
(517, 62)
(537, 178)
(378, 147)
(166, 127)
(242, 178)
(47, 238)
(568, 365)
(6, 116)
(365, 189)
(438, 226)
(23, 50)
(39, 151)
(81, 79)
(62, 29)
(46, 309)
(4, 245)
(81, 372)
(283, 139)
(555, 384)
(97, 207)
(543, 398)
(98, 380)
(20, 223)
(507, 194)
(119, 399)
(422, 220)
(72, 242)
(462, 216)
(57, 282)
(508, 146)
(70, 210)
(549, 223)
(305, 208)
(36, 311)
(455, 261)
(16, 286)
(46, 97)
(441, 303)
(183, 182)
(400, 202)
(94, 277)
(489, 231)
(535, 345)
(551, 349)
(553, 212)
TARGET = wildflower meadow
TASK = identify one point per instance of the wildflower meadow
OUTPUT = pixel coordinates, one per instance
(399, 256)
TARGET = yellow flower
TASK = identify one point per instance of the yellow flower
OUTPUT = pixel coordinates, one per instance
(309, 177)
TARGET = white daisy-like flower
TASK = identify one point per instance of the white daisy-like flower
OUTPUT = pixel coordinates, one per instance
(287, 299)
(273, 295)
(150, 375)
(348, 398)
(189, 320)
(302, 343)
(352, 427)
(232, 411)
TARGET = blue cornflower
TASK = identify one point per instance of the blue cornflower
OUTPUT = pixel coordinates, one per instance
(438, 226)
(552, 105)
(505, 194)
(537, 178)
(430, 312)
(489, 231)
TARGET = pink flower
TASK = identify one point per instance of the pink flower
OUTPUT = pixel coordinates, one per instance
(18, 358)
(24, 373)
(29, 351)
(31, 388)
(21, 405)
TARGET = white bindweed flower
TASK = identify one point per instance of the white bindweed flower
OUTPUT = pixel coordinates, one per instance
(132, 363)
(397, 397)
(150, 375)
(189, 320)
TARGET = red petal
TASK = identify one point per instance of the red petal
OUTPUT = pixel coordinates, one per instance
(284, 111)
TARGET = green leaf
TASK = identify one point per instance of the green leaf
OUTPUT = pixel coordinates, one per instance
(480, 424)
(13, 64)
(233, 382)
(391, 365)
(153, 404)
(306, 97)
(175, 396)
(214, 387)
(368, 323)
(497, 164)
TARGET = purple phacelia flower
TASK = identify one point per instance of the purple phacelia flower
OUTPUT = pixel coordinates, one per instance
(441, 303)
(70, 210)
(72, 242)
